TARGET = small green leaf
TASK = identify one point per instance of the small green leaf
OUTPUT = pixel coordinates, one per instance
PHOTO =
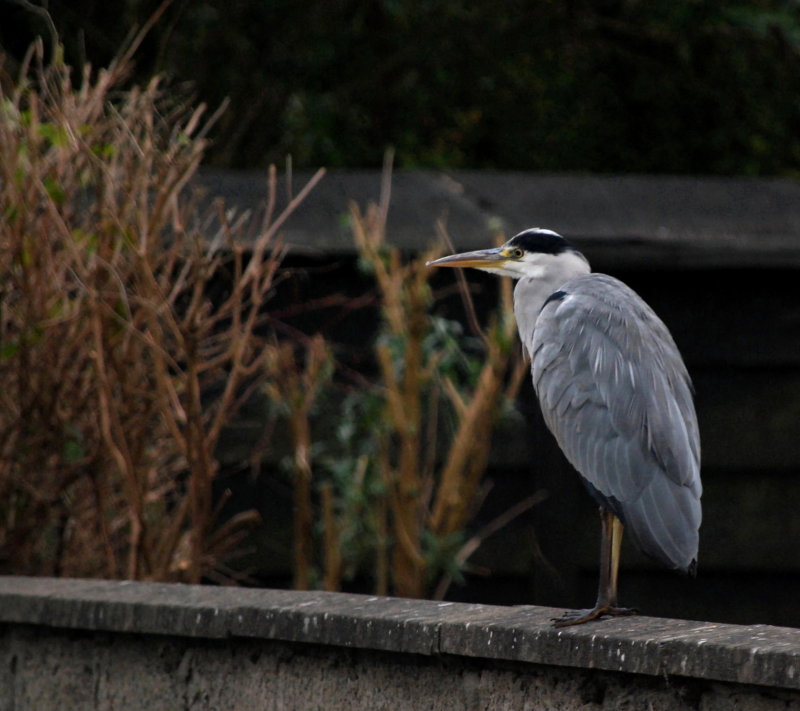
(54, 191)
(73, 451)
(55, 135)
(8, 350)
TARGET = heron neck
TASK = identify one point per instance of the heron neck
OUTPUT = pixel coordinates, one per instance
(531, 292)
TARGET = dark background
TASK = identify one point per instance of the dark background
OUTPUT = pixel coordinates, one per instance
(705, 87)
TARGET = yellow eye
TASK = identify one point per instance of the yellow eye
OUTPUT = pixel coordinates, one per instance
(516, 253)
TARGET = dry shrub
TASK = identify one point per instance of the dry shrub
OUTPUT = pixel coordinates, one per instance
(118, 368)
(130, 335)
(395, 489)
(433, 485)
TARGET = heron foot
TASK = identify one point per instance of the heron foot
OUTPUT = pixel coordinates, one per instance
(578, 617)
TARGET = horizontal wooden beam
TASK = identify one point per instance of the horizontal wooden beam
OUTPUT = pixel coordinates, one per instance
(619, 221)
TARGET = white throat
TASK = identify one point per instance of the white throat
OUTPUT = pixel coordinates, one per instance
(543, 274)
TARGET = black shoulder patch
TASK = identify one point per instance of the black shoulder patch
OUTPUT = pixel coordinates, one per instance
(538, 240)
(555, 296)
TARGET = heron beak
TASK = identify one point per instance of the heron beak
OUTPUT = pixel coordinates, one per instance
(480, 259)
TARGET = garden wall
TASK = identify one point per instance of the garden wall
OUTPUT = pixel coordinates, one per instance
(70, 644)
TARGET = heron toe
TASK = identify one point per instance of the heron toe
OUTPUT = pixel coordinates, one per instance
(579, 617)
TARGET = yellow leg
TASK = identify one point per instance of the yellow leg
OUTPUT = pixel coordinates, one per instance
(616, 543)
(606, 605)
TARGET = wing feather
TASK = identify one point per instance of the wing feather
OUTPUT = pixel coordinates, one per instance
(615, 393)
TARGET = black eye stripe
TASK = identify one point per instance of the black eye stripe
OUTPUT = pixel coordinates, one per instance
(539, 241)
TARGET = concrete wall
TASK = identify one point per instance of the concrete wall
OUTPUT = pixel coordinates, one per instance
(67, 644)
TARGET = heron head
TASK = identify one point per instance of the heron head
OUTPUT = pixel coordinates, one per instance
(528, 253)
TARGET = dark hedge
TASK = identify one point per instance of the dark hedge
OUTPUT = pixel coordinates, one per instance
(697, 86)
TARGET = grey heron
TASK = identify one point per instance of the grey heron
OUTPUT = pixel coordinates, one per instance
(615, 393)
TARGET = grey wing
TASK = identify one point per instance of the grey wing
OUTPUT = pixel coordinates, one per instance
(615, 393)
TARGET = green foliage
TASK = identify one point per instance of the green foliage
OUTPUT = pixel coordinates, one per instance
(349, 465)
(707, 86)
(349, 460)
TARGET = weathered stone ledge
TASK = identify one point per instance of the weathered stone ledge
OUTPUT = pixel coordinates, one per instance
(756, 654)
